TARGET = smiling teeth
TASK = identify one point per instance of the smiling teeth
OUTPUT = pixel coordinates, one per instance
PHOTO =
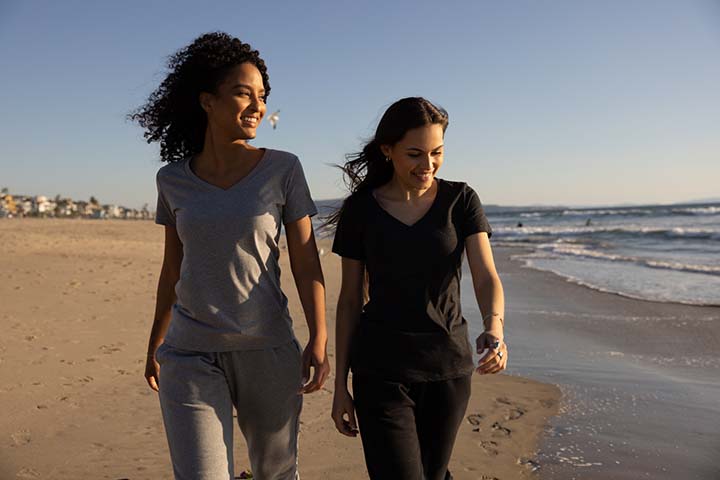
(249, 119)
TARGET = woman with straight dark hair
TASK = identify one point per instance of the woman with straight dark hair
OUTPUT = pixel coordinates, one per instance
(222, 333)
(404, 232)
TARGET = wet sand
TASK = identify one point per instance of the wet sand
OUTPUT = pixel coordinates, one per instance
(640, 380)
(76, 302)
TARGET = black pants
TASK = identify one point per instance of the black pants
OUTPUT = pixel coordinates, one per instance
(408, 429)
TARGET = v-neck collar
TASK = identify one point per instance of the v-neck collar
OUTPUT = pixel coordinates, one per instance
(419, 220)
(250, 174)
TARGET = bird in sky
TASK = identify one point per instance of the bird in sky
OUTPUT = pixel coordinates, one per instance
(274, 118)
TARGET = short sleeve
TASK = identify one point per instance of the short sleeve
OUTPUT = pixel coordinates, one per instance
(473, 219)
(349, 236)
(164, 215)
(298, 202)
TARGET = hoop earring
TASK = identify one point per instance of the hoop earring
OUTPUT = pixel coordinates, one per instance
(387, 159)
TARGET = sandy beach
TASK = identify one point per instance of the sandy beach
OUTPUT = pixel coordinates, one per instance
(76, 302)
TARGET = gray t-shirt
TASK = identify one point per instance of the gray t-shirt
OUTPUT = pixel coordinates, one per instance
(228, 294)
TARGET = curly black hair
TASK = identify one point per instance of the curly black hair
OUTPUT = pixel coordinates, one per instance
(172, 114)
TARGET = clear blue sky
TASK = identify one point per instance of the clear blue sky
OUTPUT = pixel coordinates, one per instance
(550, 102)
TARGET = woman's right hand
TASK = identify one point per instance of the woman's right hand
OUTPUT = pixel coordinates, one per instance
(343, 407)
(152, 372)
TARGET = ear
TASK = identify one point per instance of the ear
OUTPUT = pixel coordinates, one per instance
(206, 101)
(385, 149)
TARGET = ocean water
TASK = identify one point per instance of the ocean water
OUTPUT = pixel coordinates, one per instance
(666, 253)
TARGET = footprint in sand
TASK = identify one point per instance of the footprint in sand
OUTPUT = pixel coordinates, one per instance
(497, 426)
(21, 438)
(112, 348)
(529, 463)
(27, 473)
(503, 400)
(474, 419)
(489, 447)
(515, 413)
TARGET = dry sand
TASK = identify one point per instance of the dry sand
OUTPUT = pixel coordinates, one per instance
(76, 303)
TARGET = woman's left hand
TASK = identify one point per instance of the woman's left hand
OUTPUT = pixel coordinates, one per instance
(315, 356)
(495, 360)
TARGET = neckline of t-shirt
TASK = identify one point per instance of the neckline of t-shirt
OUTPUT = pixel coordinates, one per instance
(426, 215)
(251, 173)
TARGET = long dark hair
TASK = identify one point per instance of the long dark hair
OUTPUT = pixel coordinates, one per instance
(368, 169)
(172, 114)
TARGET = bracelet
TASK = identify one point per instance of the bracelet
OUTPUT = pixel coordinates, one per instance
(494, 314)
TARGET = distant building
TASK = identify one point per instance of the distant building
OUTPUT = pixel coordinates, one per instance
(44, 207)
(8, 207)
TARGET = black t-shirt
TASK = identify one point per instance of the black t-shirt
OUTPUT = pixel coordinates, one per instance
(412, 327)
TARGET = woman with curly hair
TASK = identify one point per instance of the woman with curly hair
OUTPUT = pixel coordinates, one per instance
(222, 335)
(408, 345)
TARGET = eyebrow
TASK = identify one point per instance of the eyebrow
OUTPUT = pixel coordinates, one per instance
(420, 149)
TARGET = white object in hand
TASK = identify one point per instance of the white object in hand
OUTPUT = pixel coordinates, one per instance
(484, 354)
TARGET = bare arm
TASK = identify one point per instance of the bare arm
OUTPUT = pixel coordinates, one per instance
(169, 275)
(491, 300)
(349, 309)
(306, 270)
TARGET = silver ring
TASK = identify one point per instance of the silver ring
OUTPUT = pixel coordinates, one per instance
(500, 354)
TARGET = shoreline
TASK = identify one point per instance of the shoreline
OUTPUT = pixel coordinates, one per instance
(639, 378)
(576, 281)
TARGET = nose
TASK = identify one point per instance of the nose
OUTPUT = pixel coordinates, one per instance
(256, 104)
(427, 162)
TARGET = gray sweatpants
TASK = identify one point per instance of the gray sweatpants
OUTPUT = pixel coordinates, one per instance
(197, 394)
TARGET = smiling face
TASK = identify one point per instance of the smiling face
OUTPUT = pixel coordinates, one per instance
(237, 107)
(417, 157)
